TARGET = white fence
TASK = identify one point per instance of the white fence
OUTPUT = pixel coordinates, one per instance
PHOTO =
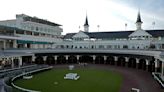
(23, 89)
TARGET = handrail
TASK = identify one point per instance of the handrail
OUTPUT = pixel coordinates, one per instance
(24, 89)
(6, 70)
(155, 77)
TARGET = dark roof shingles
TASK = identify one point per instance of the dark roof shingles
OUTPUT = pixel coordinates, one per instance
(117, 34)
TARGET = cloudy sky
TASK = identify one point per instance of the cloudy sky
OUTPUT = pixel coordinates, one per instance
(111, 15)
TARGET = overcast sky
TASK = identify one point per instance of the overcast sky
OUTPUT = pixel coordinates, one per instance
(111, 15)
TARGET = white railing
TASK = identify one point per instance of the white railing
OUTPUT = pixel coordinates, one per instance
(156, 78)
(24, 89)
(120, 51)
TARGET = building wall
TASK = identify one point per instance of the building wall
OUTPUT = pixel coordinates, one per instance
(30, 31)
(107, 44)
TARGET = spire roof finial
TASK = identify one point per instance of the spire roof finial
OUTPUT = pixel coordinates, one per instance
(86, 21)
(139, 18)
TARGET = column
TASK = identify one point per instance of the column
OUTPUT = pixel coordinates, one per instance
(77, 57)
(14, 44)
(33, 58)
(105, 58)
(32, 34)
(44, 59)
(66, 57)
(147, 64)
(25, 45)
(115, 59)
(162, 73)
(94, 58)
(156, 65)
(137, 63)
(12, 62)
(20, 61)
(55, 57)
(126, 61)
(4, 44)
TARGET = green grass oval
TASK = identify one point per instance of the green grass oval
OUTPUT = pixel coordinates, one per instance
(91, 80)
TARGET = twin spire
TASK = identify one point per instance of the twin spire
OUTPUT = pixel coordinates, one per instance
(139, 18)
(86, 25)
(138, 23)
(86, 22)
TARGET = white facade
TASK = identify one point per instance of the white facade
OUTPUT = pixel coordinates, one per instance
(29, 32)
(137, 39)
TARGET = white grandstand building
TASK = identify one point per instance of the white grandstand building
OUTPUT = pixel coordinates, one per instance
(132, 39)
(28, 32)
(30, 40)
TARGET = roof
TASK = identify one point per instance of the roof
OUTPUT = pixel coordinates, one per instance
(115, 34)
(140, 33)
(107, 35)
(37, 20)
(69, 35)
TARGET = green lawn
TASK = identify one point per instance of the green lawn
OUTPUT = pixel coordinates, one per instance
(91, 80)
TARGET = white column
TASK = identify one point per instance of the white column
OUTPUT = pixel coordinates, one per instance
(12, 62)
(94, 58)
(156, 64)
(44, 58)
(14, 32)
(115, 58)
(126, 59)
(33, 58)
(137, 63)
(147, 64)
(55, 58)
(105, 58)
(4, 44)
(20, 61)
(78, 56)
(14, 44)
(66, 56)
(162, 73)
(32, 33)
(25, 45)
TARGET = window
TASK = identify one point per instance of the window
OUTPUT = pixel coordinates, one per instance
(101, 46)
(37, 28)
(32, 28)
(109, 46)
(125, 47)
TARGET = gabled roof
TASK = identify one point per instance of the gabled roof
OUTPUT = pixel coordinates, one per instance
(115, 34)
(140, 33)
(80, 34)
(69, 35)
